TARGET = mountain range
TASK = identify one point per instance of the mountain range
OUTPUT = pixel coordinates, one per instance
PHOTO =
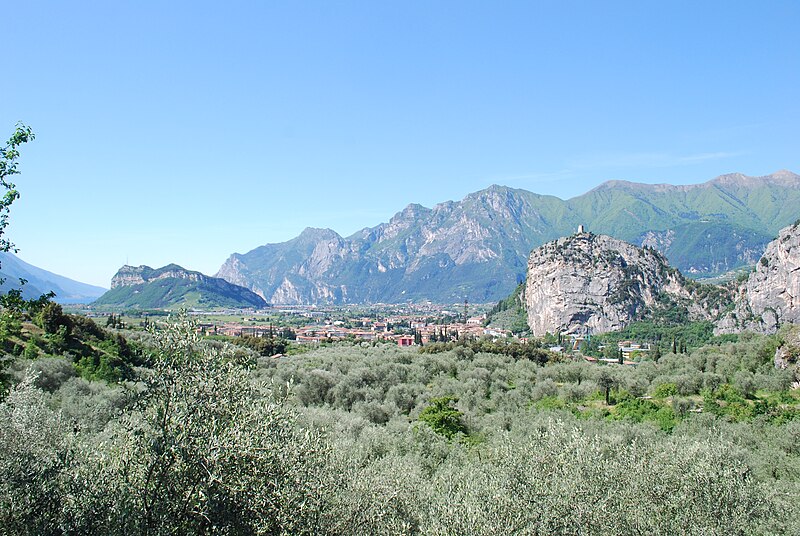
(477, 248)
(40, 281)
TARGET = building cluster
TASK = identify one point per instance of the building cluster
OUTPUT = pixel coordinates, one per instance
(405, 330)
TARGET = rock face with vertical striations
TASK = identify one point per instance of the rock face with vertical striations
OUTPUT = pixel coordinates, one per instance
(595, 283)
(771, 295)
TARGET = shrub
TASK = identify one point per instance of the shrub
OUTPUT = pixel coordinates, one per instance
(443, 418)
(546, 388)
(665, 390)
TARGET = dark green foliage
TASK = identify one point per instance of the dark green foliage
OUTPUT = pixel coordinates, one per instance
(51, 318)
(674, 335)
(714, 247)
(113, 321)
(203, 451)
(443, 418)
(112, 364)
(32, 350)
(100, 355)
(607, 379)
(508, 303)
(266, 346)
(96, 354)
(9, 153)
(86, 327)
(453, 442)
(636, 410)
(531, 350)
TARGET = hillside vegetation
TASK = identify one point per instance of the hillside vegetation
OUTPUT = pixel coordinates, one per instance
(173, 287)
(356, 439)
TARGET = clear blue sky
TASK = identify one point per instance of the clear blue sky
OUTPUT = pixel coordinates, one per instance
(186, 131)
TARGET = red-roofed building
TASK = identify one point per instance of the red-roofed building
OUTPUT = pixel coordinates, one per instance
(405, 341)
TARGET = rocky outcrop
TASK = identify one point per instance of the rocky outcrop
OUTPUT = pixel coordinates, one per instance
(172, 286)
(770, 296)
(595, 283)
(590, 283)
(137, 275)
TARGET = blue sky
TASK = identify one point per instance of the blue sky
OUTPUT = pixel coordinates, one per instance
(186, 131)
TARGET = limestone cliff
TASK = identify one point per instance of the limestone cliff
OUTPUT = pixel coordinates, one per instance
(595, 283)
(137, 275)
(771, 295)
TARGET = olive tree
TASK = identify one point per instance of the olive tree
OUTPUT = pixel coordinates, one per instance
(207, 451)
(36, 452)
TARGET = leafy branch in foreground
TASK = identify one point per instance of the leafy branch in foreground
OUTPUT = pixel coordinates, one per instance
(9, 154)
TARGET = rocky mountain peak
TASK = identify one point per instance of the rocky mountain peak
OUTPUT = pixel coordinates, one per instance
(128, 275)
(785, 174)
(412, 211)
(782, 178)
(315, 233)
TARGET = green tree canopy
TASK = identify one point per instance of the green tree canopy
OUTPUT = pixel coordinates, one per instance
(444, 418)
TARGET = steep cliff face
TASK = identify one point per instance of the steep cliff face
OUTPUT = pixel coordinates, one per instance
(137, 275)
(595, 283)
(299, 271)
(771, 295)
